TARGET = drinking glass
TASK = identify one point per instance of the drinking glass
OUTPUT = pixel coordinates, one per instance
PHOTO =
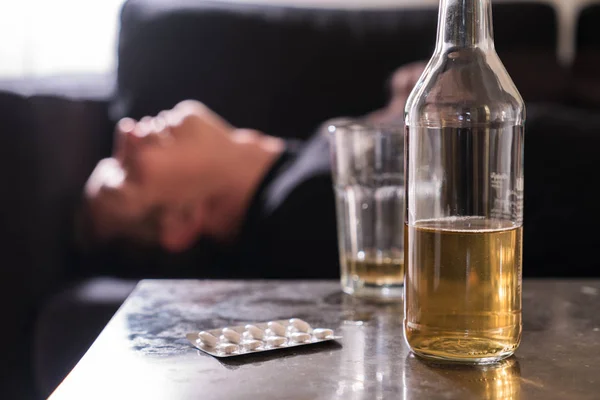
(367, 163)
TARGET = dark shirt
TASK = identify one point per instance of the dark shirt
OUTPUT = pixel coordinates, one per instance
(290, 229)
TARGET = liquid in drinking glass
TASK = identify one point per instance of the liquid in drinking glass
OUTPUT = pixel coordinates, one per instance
(375, 271)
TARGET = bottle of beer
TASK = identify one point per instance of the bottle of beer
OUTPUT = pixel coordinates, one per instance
(464, 191)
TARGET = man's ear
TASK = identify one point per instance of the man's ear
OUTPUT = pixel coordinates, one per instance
(180, 229)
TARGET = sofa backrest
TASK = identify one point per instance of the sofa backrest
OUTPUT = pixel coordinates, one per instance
(586, 65)
(285, 69)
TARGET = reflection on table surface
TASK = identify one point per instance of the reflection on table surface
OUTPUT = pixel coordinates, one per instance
(143, 352)
(420, 379)
(493, 382)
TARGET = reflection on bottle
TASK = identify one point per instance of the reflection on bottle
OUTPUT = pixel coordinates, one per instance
(499, 381)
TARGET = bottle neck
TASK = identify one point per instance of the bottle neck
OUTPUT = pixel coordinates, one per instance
(465, 24)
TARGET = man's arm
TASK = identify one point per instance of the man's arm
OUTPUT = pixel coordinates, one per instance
(290, 231)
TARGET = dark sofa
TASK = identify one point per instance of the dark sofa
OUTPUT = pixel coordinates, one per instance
(283, 70)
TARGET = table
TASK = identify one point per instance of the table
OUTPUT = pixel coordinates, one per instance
(143, 354)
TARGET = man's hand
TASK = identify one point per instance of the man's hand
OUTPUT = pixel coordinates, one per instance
(402, 83)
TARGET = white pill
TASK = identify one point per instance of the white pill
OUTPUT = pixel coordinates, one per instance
(251, 344)
(276, 341)
(208, 339)
(277, 328)
(227, 348)
(269, 332)
(255, 332)
(321, 333)
(301, 325)
(231, 335)
(300, 337)
(291, 329)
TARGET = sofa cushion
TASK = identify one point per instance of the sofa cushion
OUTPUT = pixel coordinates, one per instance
(50, 143)
(17, 221)
(60, 131)
(561, 164)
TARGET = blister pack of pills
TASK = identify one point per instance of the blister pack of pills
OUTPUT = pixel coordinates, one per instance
(263, 336)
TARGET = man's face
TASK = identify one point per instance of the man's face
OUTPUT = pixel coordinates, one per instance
(156, 174)
(119, 206)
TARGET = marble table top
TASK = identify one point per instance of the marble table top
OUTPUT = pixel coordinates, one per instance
(143, 352)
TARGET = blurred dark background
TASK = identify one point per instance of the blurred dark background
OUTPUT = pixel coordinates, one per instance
(283, 69)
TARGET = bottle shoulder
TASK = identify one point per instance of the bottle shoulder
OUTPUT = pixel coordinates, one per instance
(465, 87)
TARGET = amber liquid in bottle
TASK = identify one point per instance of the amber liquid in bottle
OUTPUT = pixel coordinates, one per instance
(465, 300)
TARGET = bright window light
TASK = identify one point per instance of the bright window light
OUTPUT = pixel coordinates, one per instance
(42, 38)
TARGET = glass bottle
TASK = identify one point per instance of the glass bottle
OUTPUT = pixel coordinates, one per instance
(464, 190)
